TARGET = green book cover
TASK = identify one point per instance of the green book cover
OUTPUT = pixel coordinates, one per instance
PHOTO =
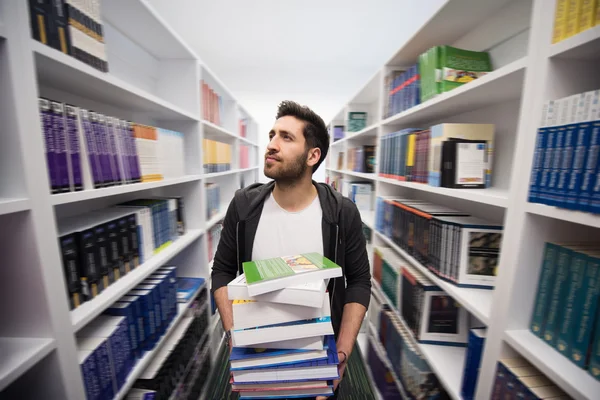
(458, 66)
(545, 285)
(587, 304)
(571, 307)
(594, 367)
(557, 296)
(275, 268)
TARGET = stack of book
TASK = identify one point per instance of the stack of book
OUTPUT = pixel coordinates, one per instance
(361, 159)
(216, 156)
(518, 379)
(565, 166)
(212, 104)
(100, 247)
(213, 199)
(443, 68)
(357, 121)
(565, 313)
(282, 332)
(403, 89)
(446, 155)
(461, 249)
(88, 150)
(72, 27)
(574, 16)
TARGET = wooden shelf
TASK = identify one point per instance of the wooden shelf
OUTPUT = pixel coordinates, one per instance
(18, 355)
(575, 381)
(89, 310)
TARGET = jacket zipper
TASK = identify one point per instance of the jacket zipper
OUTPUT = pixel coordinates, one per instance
(237, 244)
(337, 235)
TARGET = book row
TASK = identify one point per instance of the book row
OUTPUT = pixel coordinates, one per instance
(174, 369)
(72, 27)
(212, 104)
(403, 91)
(565, 171)
(565, 313)
(214, 236)
(518, 379)
(213, 199)
(427, 311)
(574, 16)
(360, 159)
(100, 247)
(361, 193)
(110, 345)
(445, 155)
(216, 156)
(88, 150)
(383, 379)
(459, 248)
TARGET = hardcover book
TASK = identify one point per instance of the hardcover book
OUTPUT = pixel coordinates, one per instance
(265, 276)
(279, 332)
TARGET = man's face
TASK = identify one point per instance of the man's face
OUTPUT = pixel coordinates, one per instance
(286, 156)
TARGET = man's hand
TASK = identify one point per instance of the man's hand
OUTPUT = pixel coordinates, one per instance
(341, 370)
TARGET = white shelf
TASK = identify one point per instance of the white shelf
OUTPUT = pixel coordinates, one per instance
(230, 172)
(2, 30)
(368, 218)
(83, 314)
(9, 206)
(573, 380)
(214, 219)
(369, 131)
(583, 46)
(71, 197)
(214, 131)
(18, 355)
(56, 69)
(363, 175)
(577, 217)
(247, 141)
(477, 301)
(503, 84)
(491, 196)
(143, 362)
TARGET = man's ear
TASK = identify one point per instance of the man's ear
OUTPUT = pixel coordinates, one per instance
(314, 155)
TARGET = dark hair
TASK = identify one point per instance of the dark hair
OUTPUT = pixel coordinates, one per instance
(315, 130)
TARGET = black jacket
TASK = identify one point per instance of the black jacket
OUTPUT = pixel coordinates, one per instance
(343, 242)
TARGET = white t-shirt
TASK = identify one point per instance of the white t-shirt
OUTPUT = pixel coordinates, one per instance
(283, 233)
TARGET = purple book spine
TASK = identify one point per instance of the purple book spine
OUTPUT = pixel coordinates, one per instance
(108, 170)
(111, 132)
(92, 150)
(120, 150)
(60, 146)
(74, 154)
(100, 151)
(125, 151)
(47, 131)
(135, 161)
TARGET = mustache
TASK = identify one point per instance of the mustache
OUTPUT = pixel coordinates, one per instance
(272, 155)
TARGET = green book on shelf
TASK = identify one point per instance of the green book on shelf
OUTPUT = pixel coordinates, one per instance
(460, 66)
(264, 276)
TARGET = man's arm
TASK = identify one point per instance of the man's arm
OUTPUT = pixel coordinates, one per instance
(225, 266)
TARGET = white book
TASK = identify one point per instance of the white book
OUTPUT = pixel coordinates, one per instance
(286, 374)
(290, 393)
(287, 331)
(278, 359)
(251, 313)
(311, 294)
(308, 343)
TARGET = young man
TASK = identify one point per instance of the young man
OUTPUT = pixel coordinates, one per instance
(293, 214)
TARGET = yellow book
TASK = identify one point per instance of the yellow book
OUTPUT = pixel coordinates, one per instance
(573, 15)
(587, 19)
(204, 152)
(213, 156)
(560, 20)
(410, 155)
(597, 12)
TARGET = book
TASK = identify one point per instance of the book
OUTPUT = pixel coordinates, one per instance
(459, 66)
(544, 288)
(186, 287)
(560, 21)
(251, 313)
(307, 343)
(357, 121)
(338, 132)
(472, 362)
(464, 164)
(285, 385)
(573, 16)
(280, 332)
(286, 394)
(263, 276)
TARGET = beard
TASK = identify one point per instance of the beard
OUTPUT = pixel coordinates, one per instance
(287, 171)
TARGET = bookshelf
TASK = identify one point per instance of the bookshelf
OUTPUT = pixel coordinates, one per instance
(154, 79)
(528, 71)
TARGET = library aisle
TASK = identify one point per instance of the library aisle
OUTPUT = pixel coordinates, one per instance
(471, 154)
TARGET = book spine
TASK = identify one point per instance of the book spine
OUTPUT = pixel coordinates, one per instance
(581, 143)
(550, 192)
(544, 288)
(594, 363)
(59, 30)
(564, 175)
(46, 119)
(587, 303)
(590, 168)
(73, 148)
(135, 155)
(573, 16)
(60, 136)
(99, 146)
(557, 296)
(547, 165)
(114, 155)
(560, 19)
(587, 19)
(90, 146)
(570, 307)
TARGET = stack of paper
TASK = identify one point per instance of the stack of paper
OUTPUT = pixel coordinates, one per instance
(282, 333)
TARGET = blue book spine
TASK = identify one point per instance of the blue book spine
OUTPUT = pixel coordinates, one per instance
(594, 364)
(590, 168)
(547, 165)
(588, 303)
(566, 165)
(538, 162)
(559, 142)
(558, 295)
(594, 205)
(582, 143)
(544, 289)
(90, 377)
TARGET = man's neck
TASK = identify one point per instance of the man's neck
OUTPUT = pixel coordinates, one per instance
(295, 196)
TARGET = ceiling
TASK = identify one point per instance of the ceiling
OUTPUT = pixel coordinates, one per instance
(328, 47)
